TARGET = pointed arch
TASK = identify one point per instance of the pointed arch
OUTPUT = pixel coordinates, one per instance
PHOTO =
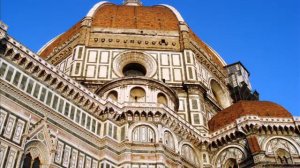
(38, 153)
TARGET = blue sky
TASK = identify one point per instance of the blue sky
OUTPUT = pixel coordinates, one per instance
(263, 34)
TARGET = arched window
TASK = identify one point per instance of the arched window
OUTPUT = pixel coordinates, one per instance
(282, 149)
(169, 140)
(36, 163)
(219, 94)
(189, 154)
(27, 161)
(283, 157)
(162, 99)
(137, 94)
(143, 134)
(231, 163)
(113, 95)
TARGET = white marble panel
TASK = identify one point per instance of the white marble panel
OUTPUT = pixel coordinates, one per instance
(104, 57)
(165, 73)
(177, 74)
(59, 152)
(88, 162)
(176, 59)
(10, 160)
(73, 162)
(3, 116)
(92, 57)
(91, 71)
(18, 131)
(3, 150)
(164, 59)
(103, 71)
(81, 159)
(67, 153)
(95, 164)
(9, 126)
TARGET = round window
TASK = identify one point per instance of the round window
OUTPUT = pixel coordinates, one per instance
(134, 69)
(133, 63)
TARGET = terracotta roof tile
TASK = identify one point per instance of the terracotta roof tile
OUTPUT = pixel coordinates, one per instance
(243, 108)
(130, 17)
(135, 17)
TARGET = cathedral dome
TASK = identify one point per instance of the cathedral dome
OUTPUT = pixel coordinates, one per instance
(159, 21)
(108, 15)
(244, 108)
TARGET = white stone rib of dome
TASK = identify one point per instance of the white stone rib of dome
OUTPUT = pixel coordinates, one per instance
(95, 7)
(218, 55)
(175, 11)
(48, 43)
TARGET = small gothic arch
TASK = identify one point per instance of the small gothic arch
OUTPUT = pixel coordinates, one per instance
(42, 73)
(29, 65)
(3, 48)
(16, 57)
(23, 61)
(136, 116)
(150, 116)
(129, 114)
(143, 116)
(9, 52)
(35, 69)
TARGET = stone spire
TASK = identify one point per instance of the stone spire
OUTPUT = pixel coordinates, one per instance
(132, 2)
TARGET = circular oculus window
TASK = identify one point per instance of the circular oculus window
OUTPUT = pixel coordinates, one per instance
(134, 64)
(134, 69)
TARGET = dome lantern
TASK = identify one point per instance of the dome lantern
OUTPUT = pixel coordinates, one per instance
(132, 2)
